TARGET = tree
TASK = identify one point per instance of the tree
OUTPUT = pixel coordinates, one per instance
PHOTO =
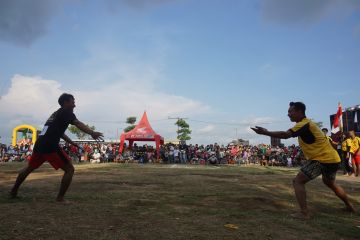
(131, 121)
(183, 131)
(79, 134)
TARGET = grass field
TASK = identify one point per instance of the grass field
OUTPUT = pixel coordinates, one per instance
(120, 201)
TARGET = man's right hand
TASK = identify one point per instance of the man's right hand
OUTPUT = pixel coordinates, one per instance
(259, 130)
(97, 136)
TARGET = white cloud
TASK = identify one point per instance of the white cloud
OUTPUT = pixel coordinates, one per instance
(33, 99)
(30, 100)
(29, 96)
(253, 120)
(206, 129)
(118, 101)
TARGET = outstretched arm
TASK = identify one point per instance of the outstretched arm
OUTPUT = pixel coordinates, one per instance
(86, 129)
(67, 139)
(276, 134)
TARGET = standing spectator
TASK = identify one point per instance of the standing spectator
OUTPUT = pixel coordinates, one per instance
(176, 153)
(163, 155)
(74, 150)
(355, 152)
(183, 151)
(171, 154)
(345, 156)
(87, 151)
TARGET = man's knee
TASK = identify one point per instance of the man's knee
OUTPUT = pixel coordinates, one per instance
(27, 170)
(328, 182)
(300, 179)
(69, 168)
(296, 181)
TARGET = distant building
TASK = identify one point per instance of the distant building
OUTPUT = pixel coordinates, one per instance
(174, 142)
(240, 142)
(275, 142)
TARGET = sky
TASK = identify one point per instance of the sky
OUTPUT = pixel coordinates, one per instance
(222, 65)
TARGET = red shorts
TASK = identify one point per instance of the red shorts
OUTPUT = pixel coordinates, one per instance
(356, 159)
(56, 159)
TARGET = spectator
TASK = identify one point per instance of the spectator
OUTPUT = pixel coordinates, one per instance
(95, 158)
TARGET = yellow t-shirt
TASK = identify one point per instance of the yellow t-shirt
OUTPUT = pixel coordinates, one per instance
(314, 143)
(345, 144)
(355, 144)
(330, 140)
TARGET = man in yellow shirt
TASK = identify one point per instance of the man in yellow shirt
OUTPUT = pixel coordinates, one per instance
(333, 143)
(355, 152)
(323, 158)
(346, 156)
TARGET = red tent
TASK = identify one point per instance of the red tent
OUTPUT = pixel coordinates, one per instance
(142, 132)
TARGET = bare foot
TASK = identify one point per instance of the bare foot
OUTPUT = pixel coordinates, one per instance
(301, 215)
(349, 208)
(13, 195)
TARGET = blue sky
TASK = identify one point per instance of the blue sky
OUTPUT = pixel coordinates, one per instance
(224, 65)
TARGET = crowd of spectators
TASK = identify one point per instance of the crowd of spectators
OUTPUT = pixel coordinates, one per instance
(94, 152)
(17, 153)
(232, 154)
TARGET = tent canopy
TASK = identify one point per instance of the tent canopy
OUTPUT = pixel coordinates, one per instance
(142, 132)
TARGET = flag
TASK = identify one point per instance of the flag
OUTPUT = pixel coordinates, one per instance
(338, 123)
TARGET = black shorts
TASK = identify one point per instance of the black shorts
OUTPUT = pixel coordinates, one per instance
(313, 169)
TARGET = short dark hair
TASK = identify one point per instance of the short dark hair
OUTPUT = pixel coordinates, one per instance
(325, 129)
(299, 106)
(65, 97)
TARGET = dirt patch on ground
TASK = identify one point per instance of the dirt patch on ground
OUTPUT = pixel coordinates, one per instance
(261, 202)
(248, 203)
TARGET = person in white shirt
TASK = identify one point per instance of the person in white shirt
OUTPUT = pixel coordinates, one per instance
(95, 157)
(176, 155)
(171, 154)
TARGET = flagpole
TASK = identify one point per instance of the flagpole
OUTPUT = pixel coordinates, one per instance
(341, 125)
(346, 120)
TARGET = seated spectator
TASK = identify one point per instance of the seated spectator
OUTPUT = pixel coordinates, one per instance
(289, 161)
(95, 158)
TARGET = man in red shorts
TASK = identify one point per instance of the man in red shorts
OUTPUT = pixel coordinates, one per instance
(47, 145)
(322, 157)
(355, 152)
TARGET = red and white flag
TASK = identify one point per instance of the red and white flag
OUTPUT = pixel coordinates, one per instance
(338, 123)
